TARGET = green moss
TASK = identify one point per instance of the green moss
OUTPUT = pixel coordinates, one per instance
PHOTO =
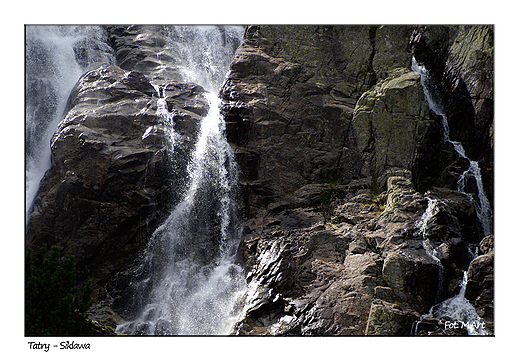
(323, 200)
(380, 321)
(393, 273)
(374, 187)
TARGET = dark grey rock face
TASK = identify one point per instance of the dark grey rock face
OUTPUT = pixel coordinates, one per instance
(111, 180)
(340, 156)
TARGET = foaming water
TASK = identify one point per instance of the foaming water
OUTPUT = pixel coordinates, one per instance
(187, 281)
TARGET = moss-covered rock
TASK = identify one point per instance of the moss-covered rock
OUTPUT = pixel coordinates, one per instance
(387, 319)
(393, 272)
(391, 121)
(324, 51)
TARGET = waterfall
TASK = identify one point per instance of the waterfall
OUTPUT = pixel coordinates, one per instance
(482, 205)
(187, 282)
(456, 308)
(56, 56)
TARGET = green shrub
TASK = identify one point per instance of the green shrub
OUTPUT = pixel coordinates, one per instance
(53, 303)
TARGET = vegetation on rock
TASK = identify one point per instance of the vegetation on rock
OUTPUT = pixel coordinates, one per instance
(53, 303)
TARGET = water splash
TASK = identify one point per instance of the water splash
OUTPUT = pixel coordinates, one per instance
(459, 313)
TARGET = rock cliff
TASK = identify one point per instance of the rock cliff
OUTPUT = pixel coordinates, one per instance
(321, 104)
(340, 158)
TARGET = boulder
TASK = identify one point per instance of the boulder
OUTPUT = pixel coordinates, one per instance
(148, 50)
(111, 181)
(392, 122)
(414, 273)
(480, 287)
(389, 319)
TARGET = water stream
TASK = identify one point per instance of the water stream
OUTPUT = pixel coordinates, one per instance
(481, 202)
(423, 225)
(187, 277)
(457, 309)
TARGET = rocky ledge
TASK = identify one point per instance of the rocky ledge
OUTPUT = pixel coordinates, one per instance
(343, 259)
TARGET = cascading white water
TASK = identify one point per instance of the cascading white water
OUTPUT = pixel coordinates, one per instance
(458, 312)
(206, 52)
(188, 266)
(456, 308)
(482, 205)
(423, 225)
(56, 56)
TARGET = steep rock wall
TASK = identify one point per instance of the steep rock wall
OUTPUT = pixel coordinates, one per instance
(290, 98)
(461, 59)
(340, 157)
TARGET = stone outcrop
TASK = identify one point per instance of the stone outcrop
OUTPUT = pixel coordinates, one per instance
(289, 103)
(111, 180)
(392, 123)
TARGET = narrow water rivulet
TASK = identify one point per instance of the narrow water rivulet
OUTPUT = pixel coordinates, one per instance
(482, 205)
(457, 310)
(187, 280)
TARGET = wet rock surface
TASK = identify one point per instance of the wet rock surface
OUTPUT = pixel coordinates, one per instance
(111, 181)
